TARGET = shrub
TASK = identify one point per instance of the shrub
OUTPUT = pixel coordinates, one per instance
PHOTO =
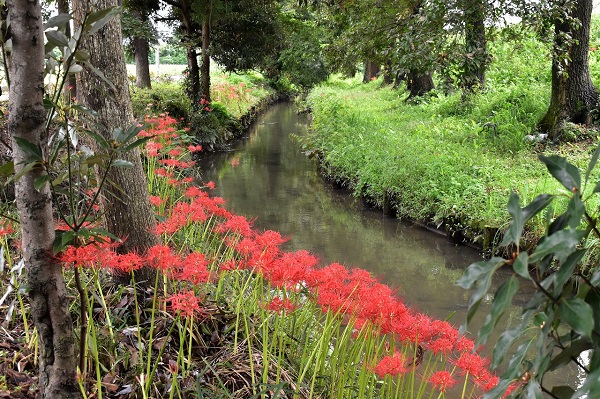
(162, 97)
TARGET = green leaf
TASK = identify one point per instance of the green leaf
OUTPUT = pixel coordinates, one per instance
(575, 211)
(513, 233)
(62, 239)
(569, 353)
(476, 270)
(85, 110)
(566, 268)
(26, 169)
(40, 182)
(82, 55)
(121, 163)
(75, 68)
(97, 20)
(99, 139)
(533, 389)
(578, 314)
(480, 275)
(563, 392)
(502, 301)
(566, 173)
(57, 38)
(100, 74)
(136, 143)
(49, 104)
(34, 151)
(539, 203)
(561, 244)
(118, 134)
(521, 265)
(592, 163)
(7, 169)
(58, 21)
(596, 188)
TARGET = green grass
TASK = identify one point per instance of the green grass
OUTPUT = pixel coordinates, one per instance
(444, 159)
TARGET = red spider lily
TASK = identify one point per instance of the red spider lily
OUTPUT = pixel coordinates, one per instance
(290, 269)
(235, 224)
(194, 148)
(157, 201)
(195, 268)
(442, 380)
(472, 364)
(442, 345)
(161, 257)
(6, 229)
(210, 185)
(121, 263)
(175, 152)
(280, 305)
(185, 303)
(391, 365)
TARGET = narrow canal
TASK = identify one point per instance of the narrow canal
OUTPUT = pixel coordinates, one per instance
(266, 177)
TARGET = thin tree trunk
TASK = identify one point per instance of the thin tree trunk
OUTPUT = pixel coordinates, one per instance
(127, 210)
(473, 76)
(205, 72)
(141, 50)
(47, 291)
(70, 90)
(574, 97)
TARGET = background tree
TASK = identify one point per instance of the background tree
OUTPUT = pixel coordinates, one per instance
(137, 26)
(127, 210)
(574, 96)
(47, 291)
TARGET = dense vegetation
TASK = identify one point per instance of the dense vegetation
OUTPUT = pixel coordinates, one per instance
(466, 109)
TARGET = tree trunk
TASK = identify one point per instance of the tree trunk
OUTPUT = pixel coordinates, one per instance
(205, 73)
(574, 96)
(142, 64)
(371, 70)
(419, 83)
(127, 210)
(70, 90)
(47, 291)
(193, 78)
(476, 57)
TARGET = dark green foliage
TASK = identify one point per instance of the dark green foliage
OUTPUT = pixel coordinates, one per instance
(211, 128)
(301, 61)
(246, 35)
(561, 321)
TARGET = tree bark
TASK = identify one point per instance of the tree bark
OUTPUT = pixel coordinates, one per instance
(70, 90)
(371, 70)
(127, 210)
(48, 295)
(141, 50)
(205, 72)
(419, 83)
(193, 78)
(574, 96)
(473, 76)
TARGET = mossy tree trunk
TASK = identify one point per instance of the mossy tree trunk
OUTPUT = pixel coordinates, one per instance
(476, 57)
(47, 291)
(574, 97)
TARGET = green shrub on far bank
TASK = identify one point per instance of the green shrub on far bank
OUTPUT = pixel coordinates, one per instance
(233, 95)
(163, 97)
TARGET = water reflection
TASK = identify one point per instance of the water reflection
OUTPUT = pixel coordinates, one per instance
(268, 178)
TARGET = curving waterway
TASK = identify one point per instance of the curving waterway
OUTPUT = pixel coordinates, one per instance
(266, 177)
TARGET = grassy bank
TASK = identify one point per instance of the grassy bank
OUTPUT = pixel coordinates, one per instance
(440, 160)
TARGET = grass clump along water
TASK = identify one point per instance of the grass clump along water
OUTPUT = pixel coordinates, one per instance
(441, 159)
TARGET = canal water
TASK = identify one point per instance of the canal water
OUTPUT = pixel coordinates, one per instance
(266, 177)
